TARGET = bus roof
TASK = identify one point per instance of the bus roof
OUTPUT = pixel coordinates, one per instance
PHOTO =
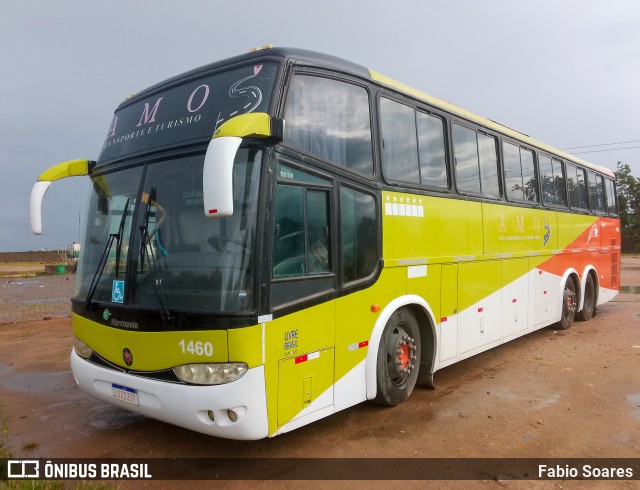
(302, 56)
(482, 121)
(312, 58)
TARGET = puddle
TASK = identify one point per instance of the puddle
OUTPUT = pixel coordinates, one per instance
(22, 283)
(37, 383)
(111, 417)
(546, 402)
(634, 401)
(538, 403)
(630, 289)
(43, 300)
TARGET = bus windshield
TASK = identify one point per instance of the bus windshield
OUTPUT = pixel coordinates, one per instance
(161, 251)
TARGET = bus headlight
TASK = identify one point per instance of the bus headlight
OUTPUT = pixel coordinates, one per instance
(210, 374)
(82, 349)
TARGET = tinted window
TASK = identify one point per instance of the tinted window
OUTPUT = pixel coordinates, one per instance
(582, 188)
(301, 240)
(596, 193)
(330, 119)
(577, 187)
(512, 171)
(488, 155)
(317, 232)
(359, 234)
(466, 159)
(553, 183)
(529, 175)
(612, 202)
(476, 162)
(520, 177)
(431, 144)
(399, 142)
(546, 175)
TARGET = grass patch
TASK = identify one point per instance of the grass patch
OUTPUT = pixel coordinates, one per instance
(29, 446)
(5, 451)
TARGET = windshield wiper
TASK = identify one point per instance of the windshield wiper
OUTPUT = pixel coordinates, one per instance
(105, 255)
(146, 250)
(119, 235)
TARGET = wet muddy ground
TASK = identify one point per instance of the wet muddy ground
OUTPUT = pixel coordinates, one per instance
(550, 394)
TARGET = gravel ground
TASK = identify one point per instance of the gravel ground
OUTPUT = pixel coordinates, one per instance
(549, 394)
(35, 297)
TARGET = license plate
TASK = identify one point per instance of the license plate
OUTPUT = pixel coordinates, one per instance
(128, 395)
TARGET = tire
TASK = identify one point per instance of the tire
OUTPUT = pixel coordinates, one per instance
(398, 358)
(568, 305)
(589, 304)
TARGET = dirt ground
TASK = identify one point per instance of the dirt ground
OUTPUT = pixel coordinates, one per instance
(550, 394)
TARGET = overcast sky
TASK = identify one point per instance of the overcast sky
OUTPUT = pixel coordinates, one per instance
(564, 72)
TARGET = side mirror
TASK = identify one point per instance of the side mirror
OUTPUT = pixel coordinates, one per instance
(35, 205)
(217, 173)
(61, 171)
(217, 176)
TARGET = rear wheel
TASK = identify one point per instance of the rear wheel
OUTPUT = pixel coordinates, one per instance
(568, 305)
(398, 358)
(589, 305)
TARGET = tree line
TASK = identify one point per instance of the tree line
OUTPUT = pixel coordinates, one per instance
(628, 200)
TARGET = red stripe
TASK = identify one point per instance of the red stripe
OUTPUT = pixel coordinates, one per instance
(300, 359)
(213, 211)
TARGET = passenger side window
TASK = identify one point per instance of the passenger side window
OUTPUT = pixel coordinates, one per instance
(301, 233)
(399, 142)
(359, 234)
(330, 119)
(432, 151)
(576, 182)
(520, 176)
(612, 201)
(476, 161)
(596, 193)
(553, 183)
(413, 145)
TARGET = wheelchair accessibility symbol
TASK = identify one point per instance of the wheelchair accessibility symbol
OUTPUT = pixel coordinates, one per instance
(117, 292)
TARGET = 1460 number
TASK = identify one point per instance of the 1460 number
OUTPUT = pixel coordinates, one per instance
(197, 348)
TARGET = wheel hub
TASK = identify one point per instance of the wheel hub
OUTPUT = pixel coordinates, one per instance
(402, 355)
(570, 300)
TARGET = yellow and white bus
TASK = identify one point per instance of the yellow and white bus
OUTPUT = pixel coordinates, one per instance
(281, 235)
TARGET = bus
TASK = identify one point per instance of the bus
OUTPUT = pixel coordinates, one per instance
(284, 234)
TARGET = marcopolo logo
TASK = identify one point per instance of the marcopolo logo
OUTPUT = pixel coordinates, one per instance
(107, 315)
(124, 324)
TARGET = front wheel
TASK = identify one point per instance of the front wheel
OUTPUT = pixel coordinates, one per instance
(589, 305)
(568, 305)
(398, 358)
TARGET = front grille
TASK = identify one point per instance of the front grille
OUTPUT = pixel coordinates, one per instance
(166, 375)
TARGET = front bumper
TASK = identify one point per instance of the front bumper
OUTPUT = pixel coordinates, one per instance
(204, 409)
